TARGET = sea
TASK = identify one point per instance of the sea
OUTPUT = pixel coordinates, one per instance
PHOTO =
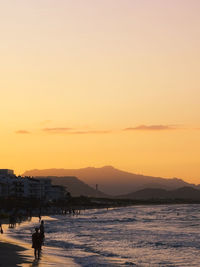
(152, 235)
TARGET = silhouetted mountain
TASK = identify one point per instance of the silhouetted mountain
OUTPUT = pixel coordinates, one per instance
(113, 181)
(75, 186)
(186, 193)
(147, 193)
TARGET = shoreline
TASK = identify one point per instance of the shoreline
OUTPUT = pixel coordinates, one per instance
(11, 255)
(15, 252)
(17, 255)
(94, 203)
(18, 252)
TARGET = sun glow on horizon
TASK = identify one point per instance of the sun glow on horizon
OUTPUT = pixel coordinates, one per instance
(94, 83)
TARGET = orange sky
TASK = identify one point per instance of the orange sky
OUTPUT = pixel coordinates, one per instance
(93, 83)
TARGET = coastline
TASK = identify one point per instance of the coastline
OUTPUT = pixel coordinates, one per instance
(12, 255)
(15, 252)
(15, 255)
(93, 229)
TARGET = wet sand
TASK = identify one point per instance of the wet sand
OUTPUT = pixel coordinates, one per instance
(10, 256)
(15, 252)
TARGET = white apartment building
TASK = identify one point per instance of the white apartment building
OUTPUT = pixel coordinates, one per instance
(13, 186)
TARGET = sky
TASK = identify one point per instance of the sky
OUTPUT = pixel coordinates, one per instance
(94, 83)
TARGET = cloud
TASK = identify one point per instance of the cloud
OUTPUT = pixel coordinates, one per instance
(151, 128)
(22, 132)
(57, 130)
(89, 132)
(60, 130)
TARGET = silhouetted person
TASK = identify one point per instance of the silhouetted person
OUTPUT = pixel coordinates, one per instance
(12, 221)
(36, 243)
(42, 230)
(1, 229)
(39, 216)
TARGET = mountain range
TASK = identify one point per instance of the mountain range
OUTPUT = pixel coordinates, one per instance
(110, 180)
(184, 193)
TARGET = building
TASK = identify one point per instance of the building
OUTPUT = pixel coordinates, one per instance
(7, 183)
(6, 172)
(45, 188)
(57, 192)
(27, 187)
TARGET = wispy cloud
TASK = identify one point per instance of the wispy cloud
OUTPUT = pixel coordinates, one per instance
(76, 131)
(89, 132)
(57, 130)
(151, 128)
(61, 130)
(22, 132)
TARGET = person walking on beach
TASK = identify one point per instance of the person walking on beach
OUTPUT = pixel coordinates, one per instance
(36, 243)
(42, 230)
(1, 229)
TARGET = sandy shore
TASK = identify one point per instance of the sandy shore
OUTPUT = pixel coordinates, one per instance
(14, 252)
(12, 255)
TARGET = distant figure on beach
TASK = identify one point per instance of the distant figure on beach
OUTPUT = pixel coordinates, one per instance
(1, 228)
(37, 243)
(12, 221)
(42, 230)
(39, 216)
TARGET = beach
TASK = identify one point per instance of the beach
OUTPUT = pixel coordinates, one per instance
(13, 252)
(12, 255)
(16, 252)
(143, 235)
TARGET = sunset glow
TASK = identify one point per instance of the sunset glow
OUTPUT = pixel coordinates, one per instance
(94, 83)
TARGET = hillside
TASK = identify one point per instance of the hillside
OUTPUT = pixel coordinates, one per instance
(112, 181)
(186, 193)
(75, 186)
